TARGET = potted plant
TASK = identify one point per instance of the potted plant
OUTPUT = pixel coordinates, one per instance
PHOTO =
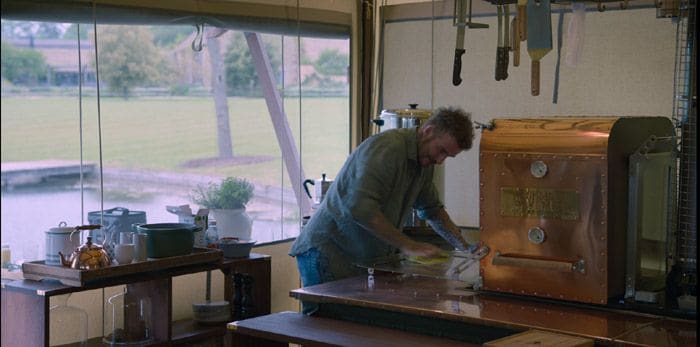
(227, 202)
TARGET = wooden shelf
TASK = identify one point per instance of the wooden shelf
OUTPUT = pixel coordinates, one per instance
(27, 301)
(38, 270)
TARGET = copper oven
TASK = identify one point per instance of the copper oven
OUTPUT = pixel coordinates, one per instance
(553, 204)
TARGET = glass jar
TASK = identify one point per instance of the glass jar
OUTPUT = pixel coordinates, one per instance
(127, 320)
(212, 234)
(67, 324)
(6, 256)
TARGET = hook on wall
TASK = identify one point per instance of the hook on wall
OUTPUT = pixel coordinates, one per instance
(601, 6)
(197, 41)
(624, 4)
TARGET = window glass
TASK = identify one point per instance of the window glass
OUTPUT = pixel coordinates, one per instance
(161, 132)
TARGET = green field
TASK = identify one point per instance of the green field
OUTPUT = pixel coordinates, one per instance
(164, 134)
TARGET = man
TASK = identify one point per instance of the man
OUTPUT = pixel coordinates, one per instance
(360, 219)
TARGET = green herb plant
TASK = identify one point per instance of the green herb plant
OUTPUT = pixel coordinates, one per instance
(232, 193)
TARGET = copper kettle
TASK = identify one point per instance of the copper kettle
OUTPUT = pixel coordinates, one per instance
(89, 256)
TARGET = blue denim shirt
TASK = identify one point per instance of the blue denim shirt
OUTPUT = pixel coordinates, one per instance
(382, 174)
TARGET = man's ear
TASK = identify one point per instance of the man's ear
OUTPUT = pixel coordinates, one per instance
(427, 130)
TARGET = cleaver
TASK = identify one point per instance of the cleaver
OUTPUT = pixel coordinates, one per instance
(539, 38)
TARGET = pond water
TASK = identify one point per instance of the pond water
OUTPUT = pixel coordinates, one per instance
(28, 212)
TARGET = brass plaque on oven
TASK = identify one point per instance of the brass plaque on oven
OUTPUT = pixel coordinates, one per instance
(540, 202)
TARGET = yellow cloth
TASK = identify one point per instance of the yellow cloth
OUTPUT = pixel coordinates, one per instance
(438, 259)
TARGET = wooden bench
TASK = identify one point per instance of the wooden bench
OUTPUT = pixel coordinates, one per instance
(280, 329)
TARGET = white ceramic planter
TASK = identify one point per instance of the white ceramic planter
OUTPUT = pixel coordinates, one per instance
(233, 223)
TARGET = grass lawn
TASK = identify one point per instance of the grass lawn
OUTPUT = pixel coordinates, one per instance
(164, 134)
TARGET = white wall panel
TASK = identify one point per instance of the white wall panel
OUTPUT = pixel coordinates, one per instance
(626, 69)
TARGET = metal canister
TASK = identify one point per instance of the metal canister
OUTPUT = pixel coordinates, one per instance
(114, 221)
(402, 118)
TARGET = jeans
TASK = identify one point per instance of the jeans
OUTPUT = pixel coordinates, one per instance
(313, 269)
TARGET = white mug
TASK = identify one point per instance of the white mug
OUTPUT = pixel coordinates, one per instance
(124, 253)
(62, 239)
(140, 251)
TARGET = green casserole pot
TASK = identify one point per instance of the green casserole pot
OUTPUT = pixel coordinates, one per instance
(167, 239)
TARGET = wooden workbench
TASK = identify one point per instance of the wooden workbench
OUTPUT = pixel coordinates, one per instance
(446, 308)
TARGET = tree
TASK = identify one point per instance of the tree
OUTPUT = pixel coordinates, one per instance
(31, 30)
(72, 32)
(22, 65)
(128, 58)
(169, 36)
(241, 77)
(332, 62)
(219, 89)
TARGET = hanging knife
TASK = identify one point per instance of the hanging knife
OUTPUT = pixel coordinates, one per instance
(499, 43)
(515, 42)
(522, 20)
(506, 42)
(460, 21)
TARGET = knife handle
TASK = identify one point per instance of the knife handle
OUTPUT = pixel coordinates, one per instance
(516, 43)
(522, 22)
(498, 63)
(504, 63)
(535, 78)
(457, 70)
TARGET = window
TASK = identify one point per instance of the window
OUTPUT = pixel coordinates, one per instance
(158, 135)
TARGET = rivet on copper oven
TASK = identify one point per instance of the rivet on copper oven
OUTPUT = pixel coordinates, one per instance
(602, 222)
(602, 158)
(602, 238)
(602, 254)
(508, 156)
(602, 270)
(481, 170)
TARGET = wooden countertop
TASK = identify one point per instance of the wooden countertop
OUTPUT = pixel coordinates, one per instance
(451, 300)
